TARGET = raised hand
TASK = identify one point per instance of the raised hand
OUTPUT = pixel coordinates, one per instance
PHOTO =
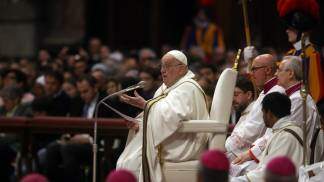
(136, 101)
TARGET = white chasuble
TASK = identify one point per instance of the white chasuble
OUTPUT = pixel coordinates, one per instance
(185, 100)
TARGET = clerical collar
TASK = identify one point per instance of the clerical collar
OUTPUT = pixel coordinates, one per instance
(298, 45)
(269, 84)
(188, 75)
(293, 89)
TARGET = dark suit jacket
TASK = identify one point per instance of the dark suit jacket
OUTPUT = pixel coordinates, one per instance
(22, 110)
(60, 104)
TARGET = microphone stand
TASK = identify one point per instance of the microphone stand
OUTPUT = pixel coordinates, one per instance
(94, 146)
(95, 128)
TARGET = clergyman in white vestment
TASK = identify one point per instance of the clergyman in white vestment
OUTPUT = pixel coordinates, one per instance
(286, 139)
(179, 98)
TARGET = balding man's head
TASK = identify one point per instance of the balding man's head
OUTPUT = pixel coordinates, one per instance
(263, 69)
(265, 59)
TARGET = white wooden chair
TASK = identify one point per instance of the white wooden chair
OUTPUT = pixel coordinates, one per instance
(218, 123)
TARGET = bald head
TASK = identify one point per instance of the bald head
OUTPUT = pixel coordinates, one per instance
(263, 69)
(265, 60)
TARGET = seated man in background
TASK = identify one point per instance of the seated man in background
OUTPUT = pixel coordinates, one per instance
(242, 103)
(9, 142)
(286, 139)
(65, 157)
(12, 105)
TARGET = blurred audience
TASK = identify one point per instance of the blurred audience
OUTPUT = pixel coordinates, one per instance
(77, 78)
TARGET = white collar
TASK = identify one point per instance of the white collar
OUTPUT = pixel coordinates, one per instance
(282, 122)
(298, 45)
(188, 75)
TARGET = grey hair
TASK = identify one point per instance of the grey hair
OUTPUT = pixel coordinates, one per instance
(294, 63)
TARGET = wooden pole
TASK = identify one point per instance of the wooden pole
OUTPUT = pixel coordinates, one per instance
(304, 93)
(246, 23)
(247, 30)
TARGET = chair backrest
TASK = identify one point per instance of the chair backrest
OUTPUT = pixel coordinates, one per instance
(222, 103)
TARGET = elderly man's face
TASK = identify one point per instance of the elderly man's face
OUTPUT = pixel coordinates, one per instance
(258, 74)
(283, 75)
(171, 70)
(261, 69)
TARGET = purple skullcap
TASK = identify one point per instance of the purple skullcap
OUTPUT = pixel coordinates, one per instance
(121, 175)
(215, 160)
(281, 166)
(34, 177)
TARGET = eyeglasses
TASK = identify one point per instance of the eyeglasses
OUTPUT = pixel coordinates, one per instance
(164, 67)
(254, 69)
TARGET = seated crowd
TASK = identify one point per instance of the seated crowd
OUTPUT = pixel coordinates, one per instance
(266, 143)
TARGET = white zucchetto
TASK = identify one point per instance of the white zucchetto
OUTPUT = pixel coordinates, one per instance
(179, 56)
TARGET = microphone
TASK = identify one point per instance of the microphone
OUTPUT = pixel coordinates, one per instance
(139, 85)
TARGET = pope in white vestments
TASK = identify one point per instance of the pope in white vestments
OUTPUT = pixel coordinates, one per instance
(179, 98)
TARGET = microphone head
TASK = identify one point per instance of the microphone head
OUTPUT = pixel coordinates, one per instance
(141, 84)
